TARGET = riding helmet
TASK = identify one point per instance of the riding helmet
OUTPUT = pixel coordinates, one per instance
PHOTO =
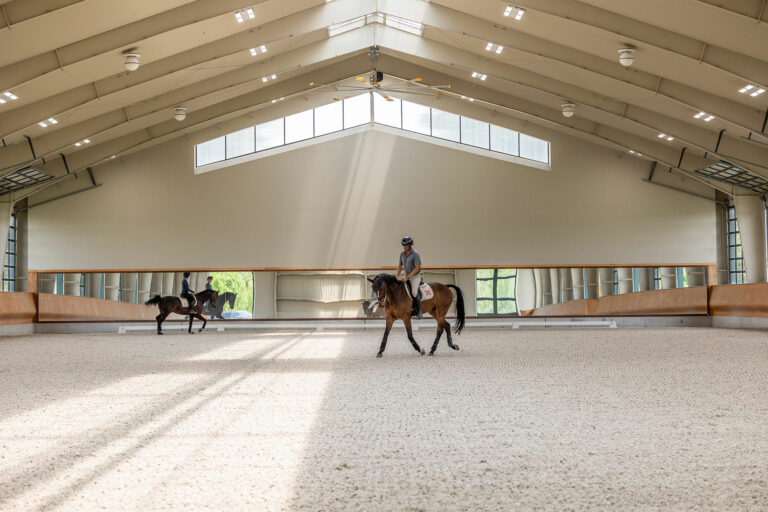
(406, 241)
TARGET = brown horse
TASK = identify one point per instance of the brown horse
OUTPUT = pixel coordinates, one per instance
(171, 304)
(398, 305)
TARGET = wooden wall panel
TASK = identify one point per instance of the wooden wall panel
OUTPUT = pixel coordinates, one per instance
(62, 308)
(680, 301)
(17, 308)
(739, 300)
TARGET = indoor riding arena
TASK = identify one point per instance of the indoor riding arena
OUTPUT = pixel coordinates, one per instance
(383, 255)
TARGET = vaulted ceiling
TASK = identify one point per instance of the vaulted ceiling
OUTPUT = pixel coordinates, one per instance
(63, 59)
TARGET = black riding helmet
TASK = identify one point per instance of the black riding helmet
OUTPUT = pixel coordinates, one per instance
(406, 241)
(187, 274)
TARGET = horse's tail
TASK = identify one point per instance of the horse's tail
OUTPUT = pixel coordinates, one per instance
(154, 300)
(460, 317)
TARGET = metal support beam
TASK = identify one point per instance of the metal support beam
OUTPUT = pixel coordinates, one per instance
(653, 169)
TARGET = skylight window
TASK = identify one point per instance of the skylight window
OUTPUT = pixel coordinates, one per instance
(376, 17)
(481, 76)
(246, 14)
(514, 11)
(346, 26)
(404, 24)
(258, 50)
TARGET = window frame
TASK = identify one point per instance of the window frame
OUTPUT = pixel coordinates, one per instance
(735, 276)
(10, 261)
(496, 299)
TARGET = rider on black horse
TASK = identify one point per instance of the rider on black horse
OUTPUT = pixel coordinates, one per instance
(411, 262)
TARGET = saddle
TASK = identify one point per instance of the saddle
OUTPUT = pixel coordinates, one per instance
(425, 291)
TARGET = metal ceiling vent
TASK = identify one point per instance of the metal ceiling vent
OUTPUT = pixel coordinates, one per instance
(22, 178)
(730, 174)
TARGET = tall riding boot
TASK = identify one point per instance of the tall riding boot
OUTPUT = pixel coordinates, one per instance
(417, 307)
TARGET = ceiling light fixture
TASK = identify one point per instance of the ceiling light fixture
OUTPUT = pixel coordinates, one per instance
(518, 12)
(481, 76)
(43, 124)
(489, 47)
(179, 113)
(9, 96)
(241, 16)
(635, 152)
(703, 115)
(568, 109)
(627, 56)
(758, 92)
(131, 60)
(258, 50)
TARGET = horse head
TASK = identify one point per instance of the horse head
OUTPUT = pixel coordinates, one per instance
(231, 299)
(379, 285)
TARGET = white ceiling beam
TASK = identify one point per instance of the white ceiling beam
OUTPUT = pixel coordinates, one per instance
(115, 124)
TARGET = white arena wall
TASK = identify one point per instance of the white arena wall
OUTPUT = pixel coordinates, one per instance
(347, 202)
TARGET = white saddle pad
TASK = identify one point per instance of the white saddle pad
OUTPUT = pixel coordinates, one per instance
(426, 291)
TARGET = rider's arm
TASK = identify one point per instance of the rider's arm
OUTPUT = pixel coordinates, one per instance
(399, 269)
(416, 270)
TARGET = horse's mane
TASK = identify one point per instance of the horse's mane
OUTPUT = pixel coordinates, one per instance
(387, 278)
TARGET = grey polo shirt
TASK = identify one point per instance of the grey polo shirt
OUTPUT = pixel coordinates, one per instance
(409, 261)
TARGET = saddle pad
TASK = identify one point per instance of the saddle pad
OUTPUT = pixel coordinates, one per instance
(426, 291)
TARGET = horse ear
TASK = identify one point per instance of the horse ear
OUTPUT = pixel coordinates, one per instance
(371, 280)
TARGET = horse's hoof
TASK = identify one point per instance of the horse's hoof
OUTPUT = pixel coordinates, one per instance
(431, 353)
(422, 352)
(378, 356)
(190, 332)
(200, 330)
(455, 347)
(160, 334)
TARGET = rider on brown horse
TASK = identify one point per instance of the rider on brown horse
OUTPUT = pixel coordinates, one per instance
(187, 292)
(411, 262)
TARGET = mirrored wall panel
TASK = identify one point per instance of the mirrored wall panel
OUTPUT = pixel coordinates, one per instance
(339, 294)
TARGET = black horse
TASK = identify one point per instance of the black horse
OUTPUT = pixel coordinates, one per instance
(224, 298)
(171, 304)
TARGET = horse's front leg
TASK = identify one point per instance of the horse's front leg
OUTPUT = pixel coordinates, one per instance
(440, 322)
(390, 321)
(201, 317)
(407, 322)
(191, 317)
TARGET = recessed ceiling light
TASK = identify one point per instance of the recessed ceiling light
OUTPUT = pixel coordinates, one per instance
(746, 88)
(709, 118)
(43, 124)
(489, 47)
(2, 101)
(10, 95)
(700, 115)
(274, 76)
(481, 76)
(78, 144)
(253, 52)
(263, 49)
(670, 138)
(87, 141)
(264, 79)
(635, 152)
(518, 12)
(241, 16)
(661, 135)
(758, 92)
(52, 120)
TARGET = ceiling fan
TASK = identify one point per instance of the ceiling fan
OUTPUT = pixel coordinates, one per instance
(376, 82)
